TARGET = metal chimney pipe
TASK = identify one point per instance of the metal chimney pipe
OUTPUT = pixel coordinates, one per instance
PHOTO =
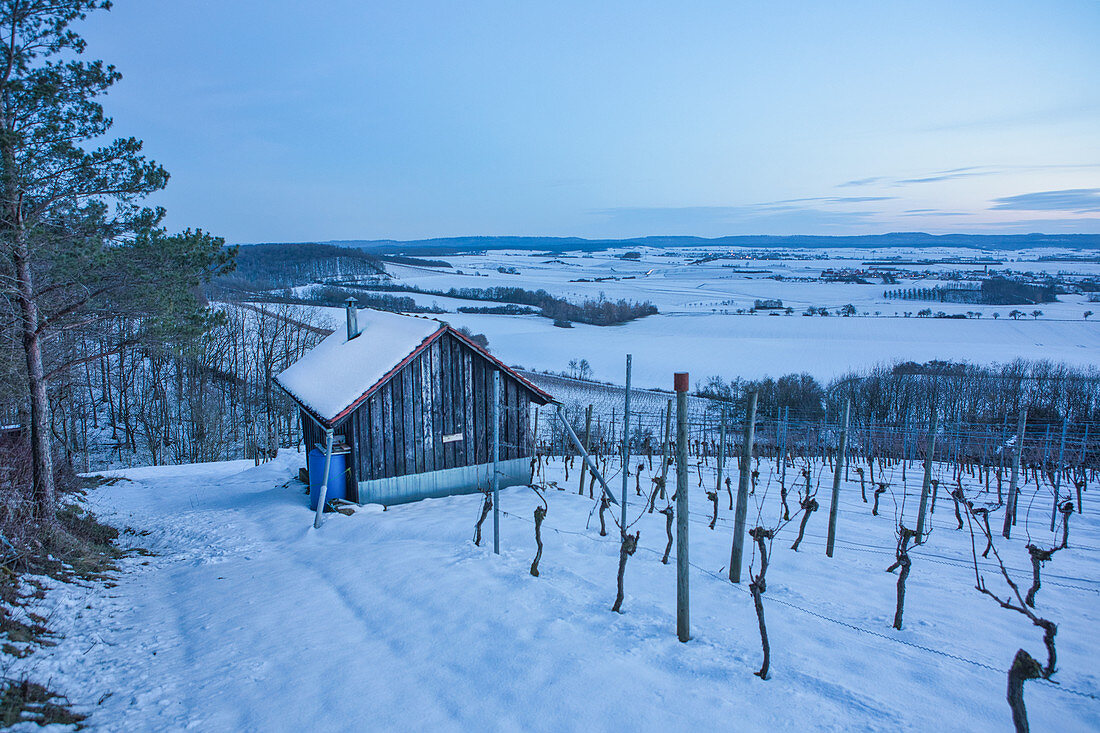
(353, 320)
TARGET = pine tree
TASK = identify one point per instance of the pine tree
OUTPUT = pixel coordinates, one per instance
(72, 234)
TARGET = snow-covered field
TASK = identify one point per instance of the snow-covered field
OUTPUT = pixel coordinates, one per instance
(699, 330)
(248, 619)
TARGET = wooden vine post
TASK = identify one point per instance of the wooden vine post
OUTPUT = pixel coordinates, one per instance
(626, 445)
(1058, 475)
(738, 550)
(841, 463)
(1013, 489)
(683, 621)
(927, 485)
(721, 455)
(587, 438)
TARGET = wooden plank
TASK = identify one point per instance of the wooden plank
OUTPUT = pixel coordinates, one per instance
(458, 416)
(407, 415)
(448, 405)
(310, 431)
(417, 403)
(522, 426)
(425, 360)
(377, 469)
(478, 395)
(398, 425)
(437, 405)
(468, 401)
(513, 428)
(353, 441)
(458, 397)
(387, 430)
(457, 401)
(505, 419)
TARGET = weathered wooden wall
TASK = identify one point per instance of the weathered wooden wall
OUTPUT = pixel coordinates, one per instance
(445, 390)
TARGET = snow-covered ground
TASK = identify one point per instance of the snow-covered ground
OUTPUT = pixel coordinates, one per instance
(698, 329)
(247, 618)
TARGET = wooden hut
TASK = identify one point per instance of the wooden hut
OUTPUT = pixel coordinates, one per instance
(410, 398)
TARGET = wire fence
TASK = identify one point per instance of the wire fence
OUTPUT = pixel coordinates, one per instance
(595, 412)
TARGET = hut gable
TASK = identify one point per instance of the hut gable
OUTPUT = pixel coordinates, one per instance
(410, 398)
(338, 371)
(333, 379)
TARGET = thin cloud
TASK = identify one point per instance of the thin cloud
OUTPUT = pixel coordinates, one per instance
(1075, 200)
(832, 200)
(967, 172)
(864, 181)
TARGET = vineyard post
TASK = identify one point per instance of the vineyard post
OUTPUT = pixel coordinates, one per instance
(1084, 454)
(841, 464)
(1017, 454)
(626, 444)
(667, 447)
(587, 438)
(783, 448)
(737, 552)
(1058, 474)
(683, 624)
(496, 460)
(927, 483)
(721, 450)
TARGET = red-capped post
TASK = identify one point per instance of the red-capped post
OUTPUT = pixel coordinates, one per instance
(683, 624)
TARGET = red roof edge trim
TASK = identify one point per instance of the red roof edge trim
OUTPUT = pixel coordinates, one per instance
(388, 375)
(546, 398)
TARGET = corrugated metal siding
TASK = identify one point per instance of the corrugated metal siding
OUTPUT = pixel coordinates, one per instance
(446, 482)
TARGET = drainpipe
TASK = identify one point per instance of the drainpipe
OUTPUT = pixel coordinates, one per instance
(324, 479)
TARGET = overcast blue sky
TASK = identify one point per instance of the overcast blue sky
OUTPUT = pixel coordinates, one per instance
(282, 120)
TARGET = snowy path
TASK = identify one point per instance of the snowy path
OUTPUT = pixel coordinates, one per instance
(247, 619)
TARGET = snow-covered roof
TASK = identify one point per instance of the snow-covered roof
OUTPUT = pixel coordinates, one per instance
(337, 372)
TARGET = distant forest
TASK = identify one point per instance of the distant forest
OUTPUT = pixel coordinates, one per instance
(993, 291)
(264, 268)
(599, 312)
(269, 266)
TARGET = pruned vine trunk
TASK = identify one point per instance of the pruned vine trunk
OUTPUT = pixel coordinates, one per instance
(668, 512)
(1024, 668)
(626, 549)
(1067, 511)
(904, 535)
(757, 588)
(485, 507)
(809, 506)
(540, 514)
(905, 564)
(1038, 557)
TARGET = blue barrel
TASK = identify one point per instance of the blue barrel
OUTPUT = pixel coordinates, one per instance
(337, 484)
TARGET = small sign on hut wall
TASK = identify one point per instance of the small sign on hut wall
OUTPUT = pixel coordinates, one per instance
(452, 438)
